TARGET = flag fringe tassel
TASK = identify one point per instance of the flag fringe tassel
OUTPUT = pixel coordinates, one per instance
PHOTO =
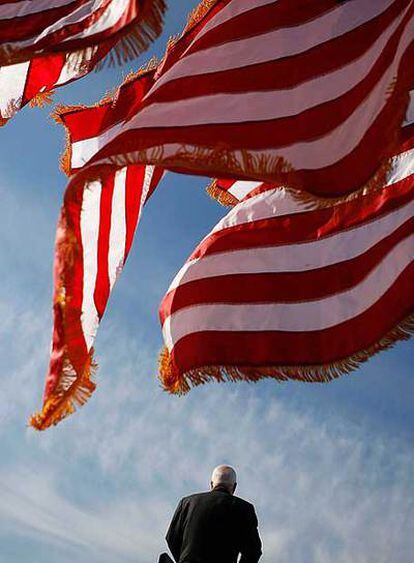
(42, 99)
(261, 168)
(199, 13)
(139, 37)
(72, 392)
(214, 159)
(224, 197)
(308, 200)
(175, 383)
(313, 201)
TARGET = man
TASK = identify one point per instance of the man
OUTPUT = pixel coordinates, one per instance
(215, 527)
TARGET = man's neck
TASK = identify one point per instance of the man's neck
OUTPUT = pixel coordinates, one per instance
(222, 489)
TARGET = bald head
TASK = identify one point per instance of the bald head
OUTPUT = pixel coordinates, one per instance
(224, 476)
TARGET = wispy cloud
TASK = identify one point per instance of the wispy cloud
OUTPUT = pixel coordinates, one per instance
(101, 487)
(106, 481)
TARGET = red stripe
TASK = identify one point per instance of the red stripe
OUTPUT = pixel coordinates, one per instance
(34, 25)
(308, 225)
(378, 142)
(75, 344)
(102, 286)
(58, 335)
(263, 19)
(20, 28)
(285, 286)
(285, 131)
(157, 176)
(177, 49)
(90, 122)
(42, 76)
(296, 70)
(407, 137)
(134, 184)
(254, 349)
(53, 42)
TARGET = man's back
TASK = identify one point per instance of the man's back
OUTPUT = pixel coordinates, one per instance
(214, 527)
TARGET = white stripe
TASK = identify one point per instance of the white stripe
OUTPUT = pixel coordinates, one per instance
(308, 155)
(241, 188)
(82, 151)
(296, 257)
(274, 104)
(149, 172)
(233, 9)
(278, 202)
(280, 43)
(305, 316)
(27, 7)
(409, 118)
(89, 225)
(76, 65)
(403, 167)
(117, 234)
(12, 83)
(108, 19)
(271, 203)
(77, 16)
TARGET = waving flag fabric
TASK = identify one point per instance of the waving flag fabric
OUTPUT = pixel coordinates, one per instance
(83, 123)
(31, 28)
(94, 236)
(32, 82)
(231, 192)
(308, 94)
(278, 290)
(52, 56)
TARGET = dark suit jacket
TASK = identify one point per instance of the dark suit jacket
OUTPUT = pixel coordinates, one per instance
(214, 527)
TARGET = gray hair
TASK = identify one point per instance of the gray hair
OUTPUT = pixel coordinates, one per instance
(223, 475)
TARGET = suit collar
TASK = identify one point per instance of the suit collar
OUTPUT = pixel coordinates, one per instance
(221, 489)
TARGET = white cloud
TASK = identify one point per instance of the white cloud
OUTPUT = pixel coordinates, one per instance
(102, 485)
(326, 489)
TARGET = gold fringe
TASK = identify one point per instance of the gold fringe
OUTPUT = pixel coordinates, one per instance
(139, 37)
(199, 13)
(42, 99)
(65, 158)
(215, 159)
(179, 384)
(222, 196)
(311, 201)
(73, 392)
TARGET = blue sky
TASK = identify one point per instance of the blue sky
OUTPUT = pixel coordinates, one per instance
(328, 467)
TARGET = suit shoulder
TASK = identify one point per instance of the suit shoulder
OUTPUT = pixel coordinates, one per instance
(193, 498)
(244, 504)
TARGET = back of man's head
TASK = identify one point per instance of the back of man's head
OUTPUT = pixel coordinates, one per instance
(224, 476)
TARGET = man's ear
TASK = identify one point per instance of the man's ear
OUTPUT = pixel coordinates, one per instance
(234, 487)
(211, 485)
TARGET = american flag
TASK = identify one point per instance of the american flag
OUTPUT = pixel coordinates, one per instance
(306, 94)
(33, 82)
(37, 28)
(94, 236)
(48, 50)
(82, 124)
(283, 291)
